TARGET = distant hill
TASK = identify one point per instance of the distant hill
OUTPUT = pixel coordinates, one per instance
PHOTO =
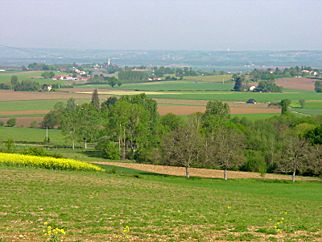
(219, 60)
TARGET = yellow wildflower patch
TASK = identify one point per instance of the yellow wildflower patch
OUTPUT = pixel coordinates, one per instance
(46, 162)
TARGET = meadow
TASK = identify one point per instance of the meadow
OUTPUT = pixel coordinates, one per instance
(126, 205)
(5, 77)
(31, 135)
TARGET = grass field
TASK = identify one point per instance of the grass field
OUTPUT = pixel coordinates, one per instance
(243, 96)
(127, 205)
(32, 104)
(31, 135)
(5, 77)
(216, 78)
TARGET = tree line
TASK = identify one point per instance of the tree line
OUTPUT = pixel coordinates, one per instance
(129, 127)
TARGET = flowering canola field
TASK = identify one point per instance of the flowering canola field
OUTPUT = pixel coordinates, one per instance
(46, 162)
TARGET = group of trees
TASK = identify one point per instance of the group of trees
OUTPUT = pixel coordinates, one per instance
(130, 127)
(272, 74)
(241, 84)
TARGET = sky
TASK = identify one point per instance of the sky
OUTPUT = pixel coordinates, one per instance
(162, 24)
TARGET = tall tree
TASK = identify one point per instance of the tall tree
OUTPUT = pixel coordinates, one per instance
(295, 156)
(285, 103)
(238, 79)
(182, 147)
(95, 100)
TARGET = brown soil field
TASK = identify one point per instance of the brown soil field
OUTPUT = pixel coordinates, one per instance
(24, 121)
(25, 112)
(200, 172)
(235, 108)
(9, 95)
(296, 83)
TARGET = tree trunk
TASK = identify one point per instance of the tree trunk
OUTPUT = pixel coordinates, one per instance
(124, 145)
(187, 172)
(225, 175)
(85, 144)
(293, 176)
(73, 145)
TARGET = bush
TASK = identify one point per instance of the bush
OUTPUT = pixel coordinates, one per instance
(11, 122)
(111, 151)
(255, 163)
(38, 151)
(1, 123)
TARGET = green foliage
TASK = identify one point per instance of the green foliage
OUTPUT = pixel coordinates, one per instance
(238, 80)
(111, 151)
(285, 103)
(11, 122)
(95, 100)
(48, 75)
(268, 86)
(10, 145)
(315, 135)
(318, 86)
(133, 75)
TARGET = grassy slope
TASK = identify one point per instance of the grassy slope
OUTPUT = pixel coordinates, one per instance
(31, 135)
(97, 206)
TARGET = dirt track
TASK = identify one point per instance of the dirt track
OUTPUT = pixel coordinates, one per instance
(198, 172)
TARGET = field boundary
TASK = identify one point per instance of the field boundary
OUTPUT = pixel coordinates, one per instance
(202, 172)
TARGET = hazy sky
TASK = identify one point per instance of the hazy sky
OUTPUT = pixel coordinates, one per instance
(162, 24)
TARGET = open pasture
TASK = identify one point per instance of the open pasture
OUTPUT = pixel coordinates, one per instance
(128, 205)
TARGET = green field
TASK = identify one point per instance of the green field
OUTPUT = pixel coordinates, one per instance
(127, 205)
(179, 86)
(31, 135)
(215, 78)
(242, 96)
(5, 77)
(33, 104)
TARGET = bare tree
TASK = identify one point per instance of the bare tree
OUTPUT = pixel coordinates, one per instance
(182, 147)
(295, 156)
(226, 149)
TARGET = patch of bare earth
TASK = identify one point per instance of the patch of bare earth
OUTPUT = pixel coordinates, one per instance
(25, 121)
(185, 108)
(296, 83)
(200, 172)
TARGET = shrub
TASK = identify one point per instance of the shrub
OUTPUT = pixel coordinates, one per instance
(1, 123)
(111, 151)
(255, 163)
(11, 122)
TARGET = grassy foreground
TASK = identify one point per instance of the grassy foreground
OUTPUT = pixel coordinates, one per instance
(127, 205)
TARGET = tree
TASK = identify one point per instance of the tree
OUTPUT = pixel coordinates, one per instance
(285, 103)
(318, 86)
(315, 135)
(226, 149)
(48, 75)
(11, 122)
(302, 103)
(238, 79)
(181, 147)
(295, 155)
(14, 81)
(95, 100)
